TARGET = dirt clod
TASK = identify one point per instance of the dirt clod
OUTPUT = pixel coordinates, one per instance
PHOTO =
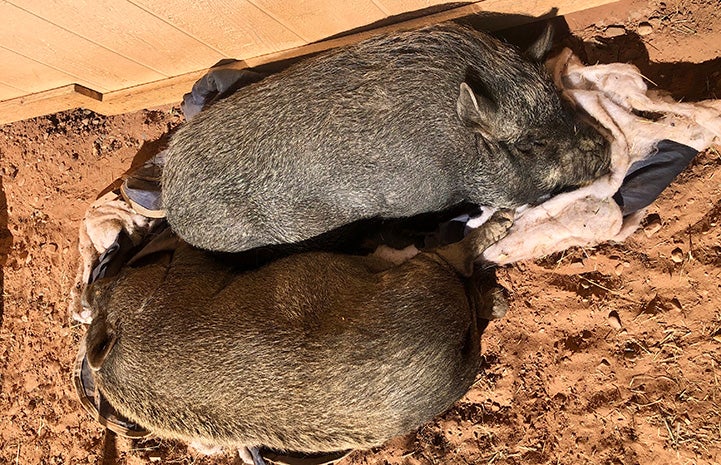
(644, 29)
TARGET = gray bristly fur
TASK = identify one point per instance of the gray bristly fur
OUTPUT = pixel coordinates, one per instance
(314, 352)
(383, 128)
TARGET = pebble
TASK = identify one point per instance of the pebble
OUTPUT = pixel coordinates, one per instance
(615, 31)
(676, 303)
(614, 320)
(653, 225)
(677, 255)
(644, 29)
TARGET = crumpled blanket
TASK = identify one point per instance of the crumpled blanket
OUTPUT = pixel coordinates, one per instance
(617, 98)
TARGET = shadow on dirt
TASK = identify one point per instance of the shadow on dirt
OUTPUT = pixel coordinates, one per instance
(686, 81)
(6, 241)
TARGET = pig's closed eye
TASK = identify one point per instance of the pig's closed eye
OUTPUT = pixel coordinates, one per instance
(530, 145)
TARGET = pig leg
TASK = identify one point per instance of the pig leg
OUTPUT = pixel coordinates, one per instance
(496, 306)
(463, 254)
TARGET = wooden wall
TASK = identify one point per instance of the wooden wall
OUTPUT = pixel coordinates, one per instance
(114, 56)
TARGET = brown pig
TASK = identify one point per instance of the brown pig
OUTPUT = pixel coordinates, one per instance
(313, 352)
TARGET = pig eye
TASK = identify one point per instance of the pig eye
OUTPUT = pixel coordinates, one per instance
(530, 145)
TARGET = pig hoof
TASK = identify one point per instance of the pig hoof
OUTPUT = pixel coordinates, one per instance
(395, 256)
(85, 316)
(496, 304)
(499, 224)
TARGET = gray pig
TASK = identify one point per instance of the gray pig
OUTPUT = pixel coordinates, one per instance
(390, 127)
(314, 352)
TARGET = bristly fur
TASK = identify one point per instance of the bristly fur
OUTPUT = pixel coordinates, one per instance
(313, 352)
(375, 130)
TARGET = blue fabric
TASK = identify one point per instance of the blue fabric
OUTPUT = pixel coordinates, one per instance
(647, 178)
(114, 257)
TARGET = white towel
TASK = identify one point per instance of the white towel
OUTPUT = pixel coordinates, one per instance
(588, 216)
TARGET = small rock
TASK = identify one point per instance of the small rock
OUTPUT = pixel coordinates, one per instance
(653, 224)
(644, 29)
(656, 305)
(676, 303)
(614, 320)
(677, 255)
(615, 31)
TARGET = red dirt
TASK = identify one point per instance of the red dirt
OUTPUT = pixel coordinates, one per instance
(610, 355)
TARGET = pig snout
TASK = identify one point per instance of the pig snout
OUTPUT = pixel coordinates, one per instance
(595, 149)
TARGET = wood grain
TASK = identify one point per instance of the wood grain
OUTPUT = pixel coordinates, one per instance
(28, 75)
(314, 20)
(258, 31)
(49, 101)
(396, 7)
(90, 64)
(236, 29)
(7, 92)
(128, 30)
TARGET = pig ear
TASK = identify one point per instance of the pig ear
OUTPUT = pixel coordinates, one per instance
(475, 110)
(99, 341)
(540, 48)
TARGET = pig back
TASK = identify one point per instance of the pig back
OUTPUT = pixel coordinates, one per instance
(312, 353)
(364, 131)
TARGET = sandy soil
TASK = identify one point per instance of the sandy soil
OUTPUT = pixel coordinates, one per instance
(609, 355)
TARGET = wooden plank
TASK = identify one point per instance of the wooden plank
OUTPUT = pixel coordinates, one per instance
(153, 94)
(397, 7)
(235, 28)
(170, 91)
(7, 92)
(29, 75)
(314, 20)
(129, 31)
(92, 65)
(49, 101)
